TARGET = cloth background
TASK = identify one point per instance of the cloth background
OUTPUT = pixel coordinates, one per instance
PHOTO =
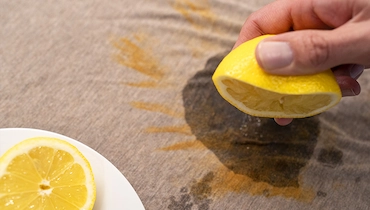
(131, 79)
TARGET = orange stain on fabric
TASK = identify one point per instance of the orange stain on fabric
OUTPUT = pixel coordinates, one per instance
(145, 84)
(200, 15)
(194, 144)
(137, 54)
(182, 129)
(195, 11)
(226, 181)
(155, 107)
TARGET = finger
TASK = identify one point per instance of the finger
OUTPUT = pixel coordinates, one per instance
(313, 51)
(283, 121)
(348, 86)
(286, 15)
(264, 21)
(356, 71)
(352, 70)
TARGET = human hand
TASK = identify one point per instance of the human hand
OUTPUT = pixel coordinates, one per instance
(312, 36)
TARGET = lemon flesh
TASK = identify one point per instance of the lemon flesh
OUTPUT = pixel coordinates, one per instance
(243, 83)
(45, 173)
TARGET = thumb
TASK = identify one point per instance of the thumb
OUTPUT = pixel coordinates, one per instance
(308, 51)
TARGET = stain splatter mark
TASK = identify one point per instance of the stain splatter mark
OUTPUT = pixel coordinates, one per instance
(183, 203)
(182, 129)
(358, 180)
(135, 57)
(139, 56)
(155, 107)
(198, 196)
(321, 193)
(258, 157)
(196, 12)
(330, 157)
(145, 84)
(202, 190)
(195, 144)
(227, 180)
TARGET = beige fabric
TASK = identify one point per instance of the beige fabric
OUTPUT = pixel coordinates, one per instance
(131, 79)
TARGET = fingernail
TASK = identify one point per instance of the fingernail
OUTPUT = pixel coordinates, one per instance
(356, 71)
(274, 55)
(348, 92)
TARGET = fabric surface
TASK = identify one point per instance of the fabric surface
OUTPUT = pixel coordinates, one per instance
(132, 80)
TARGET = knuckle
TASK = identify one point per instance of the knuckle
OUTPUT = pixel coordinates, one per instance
(317, 49)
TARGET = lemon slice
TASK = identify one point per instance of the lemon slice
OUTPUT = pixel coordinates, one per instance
(45, 173)
(242, 82)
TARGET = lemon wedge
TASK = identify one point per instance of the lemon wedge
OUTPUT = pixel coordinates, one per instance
(46, 173)
(243, 83)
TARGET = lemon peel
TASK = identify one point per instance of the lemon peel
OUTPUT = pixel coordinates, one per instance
(244, 84)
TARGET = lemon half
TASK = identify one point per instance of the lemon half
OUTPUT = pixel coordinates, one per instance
(243, 83)
(46, 173)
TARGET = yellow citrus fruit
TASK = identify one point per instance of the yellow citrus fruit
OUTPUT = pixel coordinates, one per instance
(243, 83)
(45, 173)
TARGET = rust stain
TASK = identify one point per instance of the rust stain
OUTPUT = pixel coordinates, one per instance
(136, 52)
(183, 129)
(201, 17)
(155, 107)
(195, 12)
(227, 181)
(241, 153)
(194, 144)
(145, 84)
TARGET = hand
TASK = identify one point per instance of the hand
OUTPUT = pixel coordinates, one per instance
(313, 35)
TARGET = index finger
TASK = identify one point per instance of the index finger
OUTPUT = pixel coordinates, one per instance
(274, 18)
(287, 15)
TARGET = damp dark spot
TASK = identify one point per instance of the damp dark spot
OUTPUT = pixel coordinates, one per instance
(202, 190)
(250, 146)
(358, 179)
(330, 157)
(183, 203)
(321, 194)
(198, 196)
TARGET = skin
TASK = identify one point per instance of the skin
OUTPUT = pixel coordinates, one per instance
(326, 34)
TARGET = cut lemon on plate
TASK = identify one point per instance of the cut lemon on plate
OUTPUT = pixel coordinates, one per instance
(45, 173)
(243, 83)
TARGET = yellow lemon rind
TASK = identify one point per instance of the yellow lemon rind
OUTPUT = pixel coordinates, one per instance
(241, 65)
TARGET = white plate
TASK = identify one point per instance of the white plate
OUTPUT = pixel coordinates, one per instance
(113, 191)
